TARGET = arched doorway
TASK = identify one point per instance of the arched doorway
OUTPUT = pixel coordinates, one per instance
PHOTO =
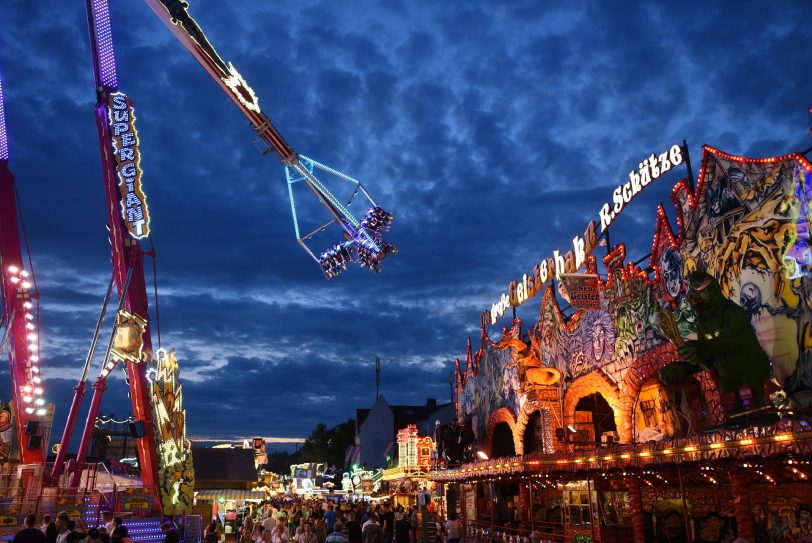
(593, 417)
(533, 438)
(502, 441)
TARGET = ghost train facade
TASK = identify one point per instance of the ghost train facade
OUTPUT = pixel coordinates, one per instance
(677, 411)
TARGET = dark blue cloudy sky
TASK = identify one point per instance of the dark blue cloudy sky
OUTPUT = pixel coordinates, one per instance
(492, 132)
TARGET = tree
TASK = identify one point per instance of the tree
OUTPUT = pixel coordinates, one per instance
(315, 447)
(328, 445)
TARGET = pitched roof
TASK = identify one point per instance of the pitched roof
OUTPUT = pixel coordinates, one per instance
(224, 464)
(404, 414)
(413, 414)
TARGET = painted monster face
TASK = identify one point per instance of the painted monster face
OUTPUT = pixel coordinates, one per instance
(672, 281)
(598, 343)
(671, 266)
(700, 289)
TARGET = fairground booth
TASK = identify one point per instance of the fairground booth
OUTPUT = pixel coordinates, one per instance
(410, 477)
(662, 399)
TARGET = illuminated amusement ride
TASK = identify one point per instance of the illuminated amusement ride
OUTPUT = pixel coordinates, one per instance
(20, 317)
(164, 453)
(363, 243)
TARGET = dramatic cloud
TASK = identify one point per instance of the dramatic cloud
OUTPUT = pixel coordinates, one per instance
(493, 133)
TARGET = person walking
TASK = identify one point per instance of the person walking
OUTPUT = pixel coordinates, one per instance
(353, 528)
(46, 521)
(307, 535)
(62, 527)
(30, 533)
(339, 535)
(388, 524)
(170, 532)
(212, 533)
(330, 519)
(403, 529)
(280, 533)
(107, 519)
(120, 535)
(371, 532)
(452, 528)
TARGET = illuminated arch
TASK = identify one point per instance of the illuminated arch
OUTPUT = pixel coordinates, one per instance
(648, 366)
(591, 383)
(503, 414)
(546, 421)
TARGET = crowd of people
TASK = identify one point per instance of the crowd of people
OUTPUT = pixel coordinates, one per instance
(316, 521)
(63, 529)
(278, 521)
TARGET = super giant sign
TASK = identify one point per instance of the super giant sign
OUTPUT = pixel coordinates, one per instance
(134, 209)
(553, 267)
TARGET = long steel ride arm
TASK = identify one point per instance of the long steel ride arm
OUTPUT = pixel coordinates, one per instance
(128, 222)
(364, 244)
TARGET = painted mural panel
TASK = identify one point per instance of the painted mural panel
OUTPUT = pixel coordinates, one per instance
(750, 230)
(495, 385)
(783, 520)
(609, 340)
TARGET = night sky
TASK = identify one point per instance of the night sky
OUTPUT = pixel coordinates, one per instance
(493, 133)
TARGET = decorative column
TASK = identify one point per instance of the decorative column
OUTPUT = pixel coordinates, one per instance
(636, 505)
(524, 511)
(742, 508)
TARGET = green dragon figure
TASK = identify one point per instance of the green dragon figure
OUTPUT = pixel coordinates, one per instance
(726, 342)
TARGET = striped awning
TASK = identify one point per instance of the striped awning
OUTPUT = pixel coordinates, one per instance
(230, 494)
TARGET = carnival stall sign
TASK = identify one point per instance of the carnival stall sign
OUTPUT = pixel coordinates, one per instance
(307, 477)
(698, 355)
(135, 500)
(362, 482)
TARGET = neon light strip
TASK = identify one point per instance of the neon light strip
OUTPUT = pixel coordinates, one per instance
(328, 169)
(3, 139)
(288, 170)
(105, 55)
(326, 193)
(769, 160)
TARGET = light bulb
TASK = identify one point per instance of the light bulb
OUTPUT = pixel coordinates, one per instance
(13, 269)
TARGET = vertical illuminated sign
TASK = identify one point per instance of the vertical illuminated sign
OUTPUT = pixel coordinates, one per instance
(3, 140)
(134, 209)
